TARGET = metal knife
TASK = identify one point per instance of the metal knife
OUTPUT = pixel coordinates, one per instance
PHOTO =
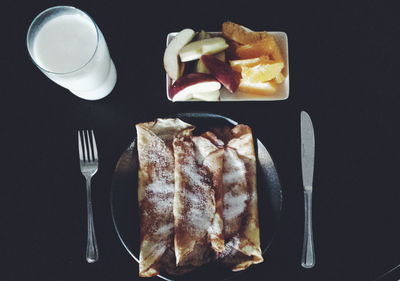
(307, 166)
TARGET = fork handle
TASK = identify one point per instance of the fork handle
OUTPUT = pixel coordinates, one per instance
(308, 256)
(92, 254)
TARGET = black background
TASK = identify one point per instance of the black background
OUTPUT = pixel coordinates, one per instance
(344, 59)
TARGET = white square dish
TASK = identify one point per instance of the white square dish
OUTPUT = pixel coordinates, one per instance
(282, 90)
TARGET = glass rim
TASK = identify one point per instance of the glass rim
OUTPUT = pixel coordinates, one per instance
(56, 8)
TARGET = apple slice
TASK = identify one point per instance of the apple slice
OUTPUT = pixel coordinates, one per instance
(192, 83)
(231, 50)
(195, 50)
(221, 56)
(222, 72)
(207, 96)
(171, 60)
(200, 67)
(203, 35)
(182, 68)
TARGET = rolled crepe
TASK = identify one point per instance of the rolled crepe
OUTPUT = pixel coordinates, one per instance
(198, 175)
(155, 194)
(210, 152)
(240, 214)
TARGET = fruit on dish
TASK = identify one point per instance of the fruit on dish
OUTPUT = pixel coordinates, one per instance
(195, 50)
(222, 72)
(172, 65)
(241, 60)
(194, 85)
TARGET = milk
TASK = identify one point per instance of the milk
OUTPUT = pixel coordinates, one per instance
(65, 43)
(71, 50)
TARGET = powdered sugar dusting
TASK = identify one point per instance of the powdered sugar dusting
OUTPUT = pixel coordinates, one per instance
(194, 176)
(158, 153)
(234, 205)
(156, 175)
(198, 199)
(236, 195)
(166, 228)
(198, 219)
(160, 192)
(195, 190)
(234, 168)
(161, 195)
(160, 187)
(192, 198)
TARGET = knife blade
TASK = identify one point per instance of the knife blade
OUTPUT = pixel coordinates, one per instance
(307, 150)
(307, 168)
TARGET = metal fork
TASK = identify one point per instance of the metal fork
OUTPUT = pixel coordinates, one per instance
(89, 162)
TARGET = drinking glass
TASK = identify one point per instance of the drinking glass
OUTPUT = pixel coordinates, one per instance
(69, 48)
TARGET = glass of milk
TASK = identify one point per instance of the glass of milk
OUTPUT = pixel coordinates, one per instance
(69, 48)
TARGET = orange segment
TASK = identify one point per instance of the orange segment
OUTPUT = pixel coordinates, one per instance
(261, 72)
(265, 88)
(279, 78)
(266, 47)
(238, 64)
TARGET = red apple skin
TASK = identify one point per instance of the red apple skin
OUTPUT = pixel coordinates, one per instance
(231, 50)
(222, 71)
(187, 80)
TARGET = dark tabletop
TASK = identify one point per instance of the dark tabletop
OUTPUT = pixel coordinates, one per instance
(344, 60)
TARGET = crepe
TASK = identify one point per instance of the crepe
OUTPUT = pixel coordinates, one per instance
(210, 152)
(198, 199)
(241, 226)
(155, 194)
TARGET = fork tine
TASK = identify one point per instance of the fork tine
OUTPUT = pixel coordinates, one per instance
(80, 146)
(94, 147)
(85, 153)
(89, 148)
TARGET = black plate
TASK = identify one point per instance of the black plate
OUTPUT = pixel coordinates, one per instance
(124, 206)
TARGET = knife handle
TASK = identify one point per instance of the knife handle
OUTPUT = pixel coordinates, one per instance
(308, 256)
